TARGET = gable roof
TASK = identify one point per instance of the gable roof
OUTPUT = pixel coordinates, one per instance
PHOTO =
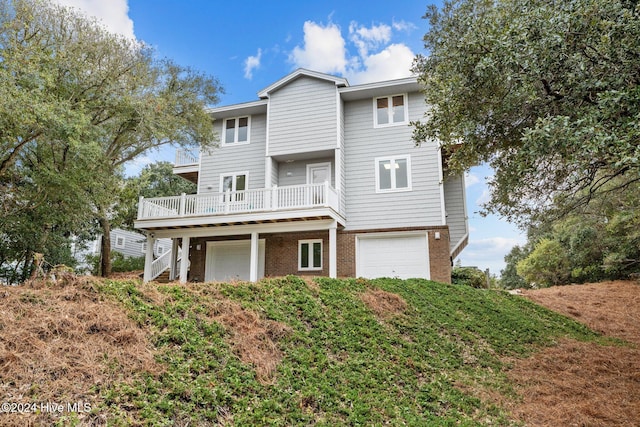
(338, 81)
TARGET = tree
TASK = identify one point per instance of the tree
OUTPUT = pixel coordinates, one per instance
(547, 265)
(155, 180)
(77, 88)
(509, 277)
(546, 92)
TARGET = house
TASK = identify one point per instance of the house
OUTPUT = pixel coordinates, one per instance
(316, 177)
(128, 243)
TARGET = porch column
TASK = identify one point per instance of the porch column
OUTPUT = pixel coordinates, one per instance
(174, 259)
(253, 266)
(184, 261)
(333, 251)
(148, 258)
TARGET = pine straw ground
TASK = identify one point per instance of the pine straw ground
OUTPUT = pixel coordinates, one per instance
(584, 384)
(66, 343)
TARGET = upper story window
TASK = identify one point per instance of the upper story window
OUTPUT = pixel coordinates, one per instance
(236, 130)
(234, 182)
(390, 110)
(393, 173)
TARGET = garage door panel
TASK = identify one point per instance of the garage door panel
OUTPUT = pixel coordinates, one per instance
(393, 256)
(230, 260)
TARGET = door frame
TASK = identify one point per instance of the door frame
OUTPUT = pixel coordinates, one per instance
(324, 165)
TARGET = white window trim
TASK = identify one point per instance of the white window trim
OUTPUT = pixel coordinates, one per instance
(377, 161)
(235, 142)
(121, 245)
(234, 175)
(316, 165)
(144, 247)
(310, 242)
(405, 99)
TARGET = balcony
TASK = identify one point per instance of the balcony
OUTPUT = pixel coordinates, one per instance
(239, 207)
(187, 165)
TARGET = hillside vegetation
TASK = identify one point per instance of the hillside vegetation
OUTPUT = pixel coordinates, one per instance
(279, 352)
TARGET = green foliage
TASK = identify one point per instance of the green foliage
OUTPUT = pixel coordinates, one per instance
(547, 265)
(469, 276)
(76, 103)
(120, 263)
(155, 180)
(341, 364)
(546, 92)
(509, 277)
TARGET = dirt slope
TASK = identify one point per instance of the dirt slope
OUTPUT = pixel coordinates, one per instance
(584, 384)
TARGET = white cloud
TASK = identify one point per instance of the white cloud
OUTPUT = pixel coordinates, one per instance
(324, 49)
(394, 62)
(470, 179)
(489, 252)
(366, 39)
(485, 197)
(133, 167)
(251, 63)
(403, 26)
(114, 14)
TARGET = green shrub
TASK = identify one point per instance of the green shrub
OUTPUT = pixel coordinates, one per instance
(547, 265)
(119, 263)
(469, 276)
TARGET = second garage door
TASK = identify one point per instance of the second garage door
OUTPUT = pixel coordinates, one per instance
(401, 256)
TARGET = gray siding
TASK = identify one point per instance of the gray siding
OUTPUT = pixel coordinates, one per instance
(363, 143)
(298, 171)
(275, 167)
(341, 152)
(303, 117)
(455, 208)
(235, 158)
(133, 243)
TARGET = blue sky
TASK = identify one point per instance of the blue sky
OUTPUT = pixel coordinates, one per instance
(251, 44)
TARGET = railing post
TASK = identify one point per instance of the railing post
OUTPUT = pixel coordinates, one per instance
(326, 193)
(227, 202)
(140, 207)
(183, 200)
(274, 198)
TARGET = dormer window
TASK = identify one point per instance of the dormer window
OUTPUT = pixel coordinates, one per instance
(390, 110)
(236, 130)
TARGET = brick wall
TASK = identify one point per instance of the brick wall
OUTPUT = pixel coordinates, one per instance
(281, 253)
(440, 260)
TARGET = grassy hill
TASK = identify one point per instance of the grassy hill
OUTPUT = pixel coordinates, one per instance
(279, 352)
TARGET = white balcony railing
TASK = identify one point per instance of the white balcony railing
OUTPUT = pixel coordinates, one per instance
(237, 202)
(186, 158)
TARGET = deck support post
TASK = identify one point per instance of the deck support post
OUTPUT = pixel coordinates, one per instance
(184, 261)
(333, 250)
(148, 258)
(253, 267)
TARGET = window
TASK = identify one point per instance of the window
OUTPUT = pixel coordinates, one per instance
(120, 242)
(393, 174)
(390, 110)
(144, 247)
(310, 254)
(233, 182)
(236, 130)
(160, 250)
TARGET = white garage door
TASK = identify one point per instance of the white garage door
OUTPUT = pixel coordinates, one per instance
(230, 260)
(402, 256)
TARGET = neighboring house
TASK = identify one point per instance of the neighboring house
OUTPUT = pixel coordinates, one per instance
(317, 177)
(128, 243)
